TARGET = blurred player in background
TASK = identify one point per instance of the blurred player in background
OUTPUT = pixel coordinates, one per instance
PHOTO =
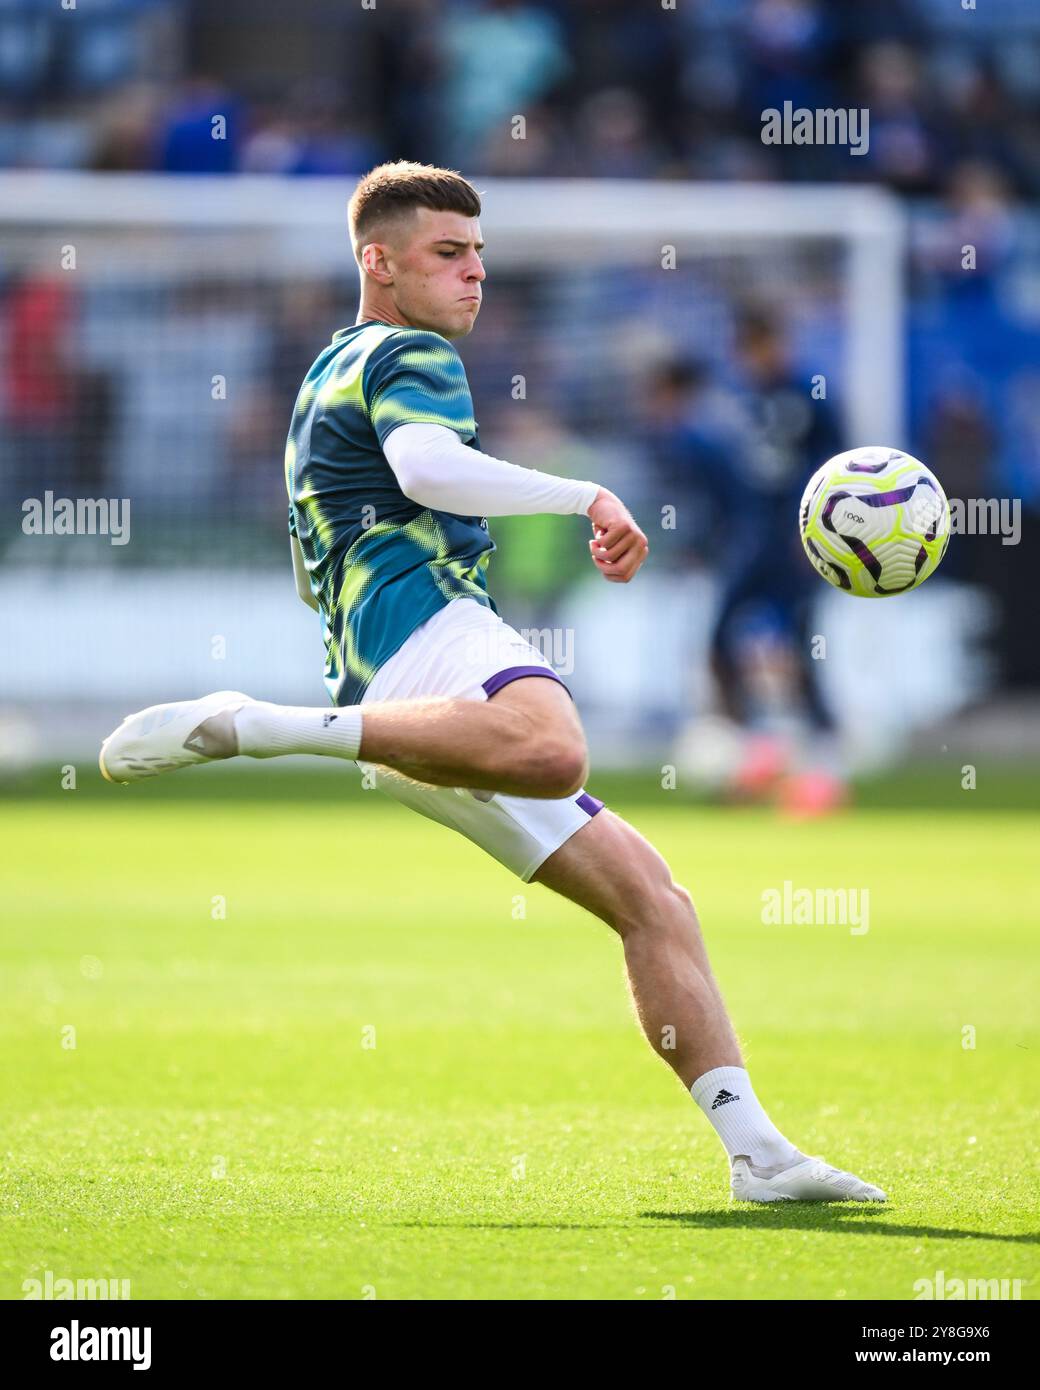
(733, 460)
(789, 434)
(736, 461)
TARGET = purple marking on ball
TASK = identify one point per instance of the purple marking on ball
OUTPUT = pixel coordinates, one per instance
(843, 578)
(865, 555)
(868, 467)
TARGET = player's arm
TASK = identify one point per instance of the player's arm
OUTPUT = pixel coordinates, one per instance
(435, 469)
(618, 546)
(303, 583)
(418, 399)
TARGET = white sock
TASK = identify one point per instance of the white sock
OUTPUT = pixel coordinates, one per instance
(269, 731)
(727, 1097)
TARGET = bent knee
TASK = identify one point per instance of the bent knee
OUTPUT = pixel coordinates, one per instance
(573, 771)
(542, 745)
(654, 907)
(559, 769)
(683, 897)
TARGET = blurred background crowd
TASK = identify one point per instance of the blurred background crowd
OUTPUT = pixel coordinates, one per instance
(693, 394)
(609, 88)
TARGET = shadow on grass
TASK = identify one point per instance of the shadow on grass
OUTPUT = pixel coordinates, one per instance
(821, 1216)
(817, 1216)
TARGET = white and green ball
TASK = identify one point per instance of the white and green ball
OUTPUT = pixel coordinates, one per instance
(874, 522)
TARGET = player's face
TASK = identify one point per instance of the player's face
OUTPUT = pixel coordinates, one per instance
(438, 272)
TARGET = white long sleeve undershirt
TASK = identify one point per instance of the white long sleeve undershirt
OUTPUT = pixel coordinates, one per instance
(435, 469)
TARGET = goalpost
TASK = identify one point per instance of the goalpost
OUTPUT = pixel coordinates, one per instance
(264, 226)
(177, 315)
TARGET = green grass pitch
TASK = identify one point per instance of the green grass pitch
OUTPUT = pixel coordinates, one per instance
(223, 1127)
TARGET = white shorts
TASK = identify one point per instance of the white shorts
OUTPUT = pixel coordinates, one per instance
(467, 652)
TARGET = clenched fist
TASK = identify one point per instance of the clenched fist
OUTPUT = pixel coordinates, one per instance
(618, 546)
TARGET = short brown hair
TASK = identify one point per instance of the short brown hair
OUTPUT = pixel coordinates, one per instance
(390, 191)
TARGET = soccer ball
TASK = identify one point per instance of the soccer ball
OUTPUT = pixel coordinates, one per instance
(874, 522)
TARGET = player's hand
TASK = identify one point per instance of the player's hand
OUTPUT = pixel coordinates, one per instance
(618, 546)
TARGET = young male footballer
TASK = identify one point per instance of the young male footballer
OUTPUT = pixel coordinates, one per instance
(453, 712)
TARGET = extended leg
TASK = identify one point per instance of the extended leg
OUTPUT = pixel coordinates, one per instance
(608, 868)
(612, 871)
(525, 741)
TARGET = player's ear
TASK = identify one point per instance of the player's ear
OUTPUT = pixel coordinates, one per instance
(373, 260)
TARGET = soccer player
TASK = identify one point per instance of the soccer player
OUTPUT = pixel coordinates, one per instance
(787, 437)
(450, 709)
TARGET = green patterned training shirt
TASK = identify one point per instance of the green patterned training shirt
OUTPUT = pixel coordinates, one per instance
(379, 563)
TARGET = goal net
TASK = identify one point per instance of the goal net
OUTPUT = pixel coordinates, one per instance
(155, 330)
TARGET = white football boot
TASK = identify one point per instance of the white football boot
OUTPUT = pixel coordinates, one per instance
(804, 1180)
(164, 738)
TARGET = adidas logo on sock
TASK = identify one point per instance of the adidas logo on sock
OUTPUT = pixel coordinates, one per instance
(327, 719)
(723, 1098)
